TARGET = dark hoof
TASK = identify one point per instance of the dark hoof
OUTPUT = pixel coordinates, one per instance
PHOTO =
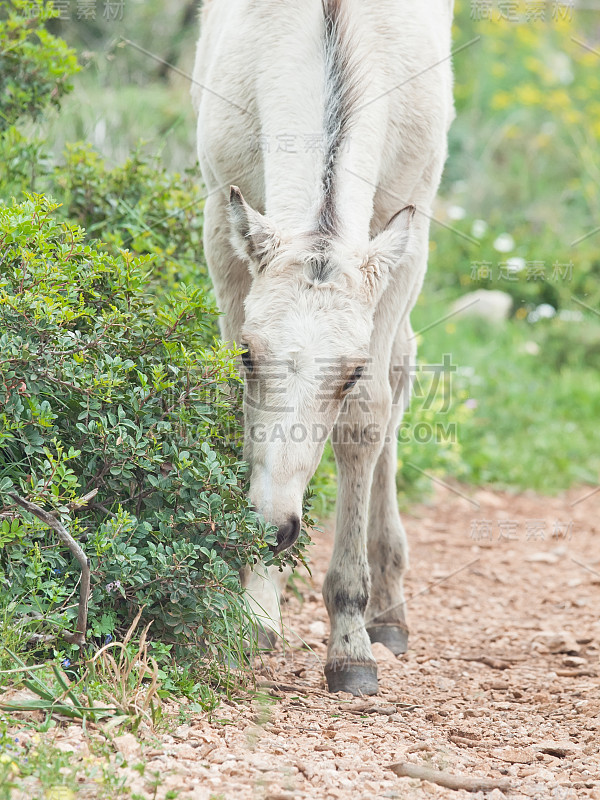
(394, 637)
(358, 678)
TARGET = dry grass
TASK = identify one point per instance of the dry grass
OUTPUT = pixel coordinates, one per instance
(124, 673)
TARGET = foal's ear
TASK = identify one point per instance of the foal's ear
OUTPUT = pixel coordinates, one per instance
(252, 235)
(387, 250)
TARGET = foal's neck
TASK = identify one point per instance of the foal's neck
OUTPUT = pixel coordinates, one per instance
(321, 138)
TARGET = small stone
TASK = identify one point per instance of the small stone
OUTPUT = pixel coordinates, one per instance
(185, 751)
(318, 629)
(560, 642)
(65, 745)
(74, 732)
(382, 655)
(512, 755)
(525, 772)
(370, 787)
(490, 304)
(558, 749)
(220, 756)
(444, 684)
(574, 661)
(487, 498)
(542, 558)
(262, 764)
(128, 746)
(545, 775)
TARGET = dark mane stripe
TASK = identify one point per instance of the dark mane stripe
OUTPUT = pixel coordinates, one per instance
(340, 100)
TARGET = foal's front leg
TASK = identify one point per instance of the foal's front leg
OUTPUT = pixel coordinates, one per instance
(387, 545)
(357, 441)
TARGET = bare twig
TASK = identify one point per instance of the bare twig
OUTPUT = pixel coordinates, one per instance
(84, 590)
(470, 784)
(79, 502)
(489, 661)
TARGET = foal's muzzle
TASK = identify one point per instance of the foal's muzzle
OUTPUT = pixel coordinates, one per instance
(287, 534)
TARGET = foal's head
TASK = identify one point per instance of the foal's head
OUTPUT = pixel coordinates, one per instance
(308, 325)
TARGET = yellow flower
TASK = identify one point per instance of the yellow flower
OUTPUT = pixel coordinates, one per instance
(585, 57)
(558, 99)
(564, 22)
(529, 95)
(502, 23)
(521, 313)
(542, 140)
(512, 132)
(12, 765)
(501, 100)
(573, 116)
(60, 793)
(527, 35)
(535, 65)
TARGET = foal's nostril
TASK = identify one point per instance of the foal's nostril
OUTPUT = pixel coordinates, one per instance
(287, 534)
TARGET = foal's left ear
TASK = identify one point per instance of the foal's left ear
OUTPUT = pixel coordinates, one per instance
(386, 251)
(252, 235)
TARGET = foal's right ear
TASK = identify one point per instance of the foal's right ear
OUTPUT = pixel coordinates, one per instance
(252, 235)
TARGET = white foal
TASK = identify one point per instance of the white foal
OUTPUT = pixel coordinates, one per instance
(331, 116)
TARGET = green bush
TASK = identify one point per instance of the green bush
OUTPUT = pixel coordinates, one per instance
(35, 66)
(102, 390)
(35, 72)
(137, 205)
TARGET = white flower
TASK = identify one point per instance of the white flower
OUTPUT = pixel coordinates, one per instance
(546, 311)
(543, 311)
(560, 65)
(504, 243)
(515, 264)
(478, 228)
(570, 316)
(456, 212)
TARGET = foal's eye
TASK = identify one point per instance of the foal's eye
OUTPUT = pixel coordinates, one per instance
(352, 380)
(247, 358)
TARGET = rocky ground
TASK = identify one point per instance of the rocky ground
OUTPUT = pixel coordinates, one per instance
(501, 680)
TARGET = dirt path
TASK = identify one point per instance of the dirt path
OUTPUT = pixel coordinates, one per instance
(501, 679)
